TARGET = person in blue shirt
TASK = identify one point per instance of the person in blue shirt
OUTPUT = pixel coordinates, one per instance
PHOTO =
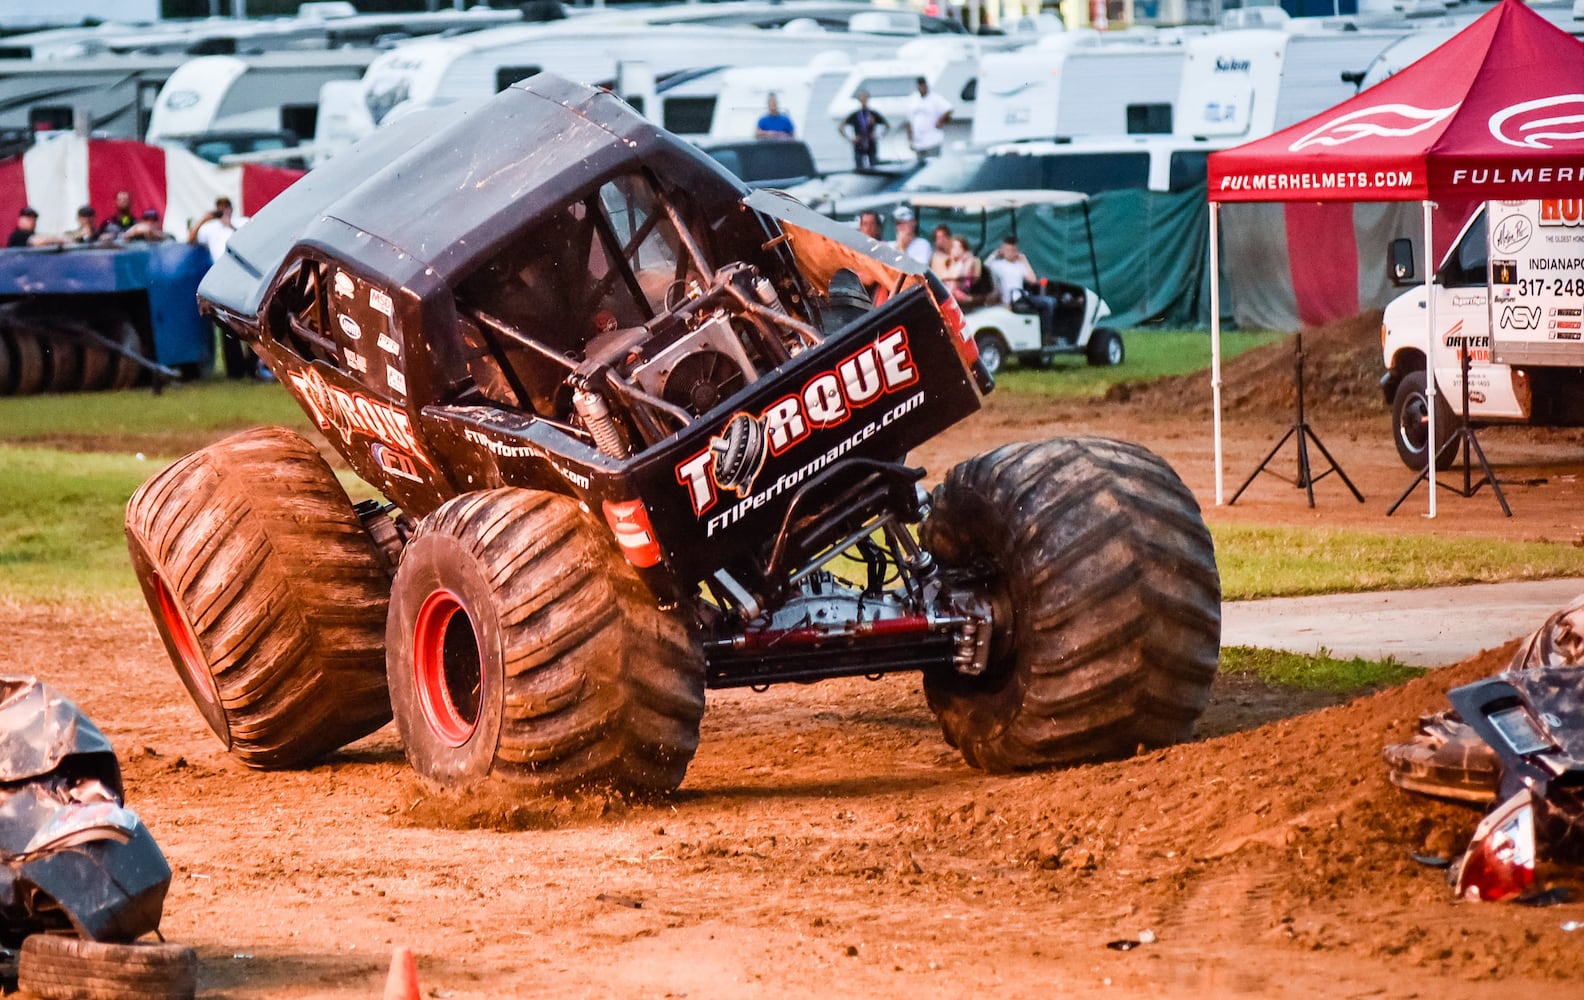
(773, 124)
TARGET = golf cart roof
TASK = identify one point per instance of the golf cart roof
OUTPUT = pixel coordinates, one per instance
(992, 201)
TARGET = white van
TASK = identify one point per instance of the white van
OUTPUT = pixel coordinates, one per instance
(1511, 292)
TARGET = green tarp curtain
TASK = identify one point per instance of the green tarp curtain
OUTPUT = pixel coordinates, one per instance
(1150, 247)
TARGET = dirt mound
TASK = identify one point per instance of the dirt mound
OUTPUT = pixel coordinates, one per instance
(1342, 369)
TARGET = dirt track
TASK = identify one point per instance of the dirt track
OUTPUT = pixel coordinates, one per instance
(828, 842)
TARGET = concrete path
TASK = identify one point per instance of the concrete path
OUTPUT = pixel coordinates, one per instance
(1427, 628)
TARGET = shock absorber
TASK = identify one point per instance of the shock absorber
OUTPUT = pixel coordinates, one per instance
(596, 416)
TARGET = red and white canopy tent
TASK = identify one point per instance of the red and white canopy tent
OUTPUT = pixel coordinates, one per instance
(1496, 112)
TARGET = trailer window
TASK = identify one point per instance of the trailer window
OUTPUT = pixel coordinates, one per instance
(1149, 119)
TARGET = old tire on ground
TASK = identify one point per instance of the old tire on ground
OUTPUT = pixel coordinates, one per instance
(27, 357)
(1410, 416)
(98, 364)
(993, 350)
(65, 361)
(55, 967)
(269, 594)
(523, 648)
(125, 371)
(1105, 348)
(1106, 596)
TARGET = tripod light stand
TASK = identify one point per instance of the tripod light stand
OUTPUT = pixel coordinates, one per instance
(1462, 434)
(1305, 434)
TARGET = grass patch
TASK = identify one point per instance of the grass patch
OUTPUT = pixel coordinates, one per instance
(61, 517)
(1151, 354)
(183, 417)
(1295, 561)
(60, 523)
(1317, 671)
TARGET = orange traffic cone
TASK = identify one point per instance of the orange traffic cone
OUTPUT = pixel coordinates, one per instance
(402, 983)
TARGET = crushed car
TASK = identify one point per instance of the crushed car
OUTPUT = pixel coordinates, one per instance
(637, 432)
(1513, 742)
(81, 878)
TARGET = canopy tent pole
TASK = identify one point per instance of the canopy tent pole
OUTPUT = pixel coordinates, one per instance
(1215, 345)
(1430, 343)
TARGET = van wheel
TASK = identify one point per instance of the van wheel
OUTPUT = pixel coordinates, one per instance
(1410, 421)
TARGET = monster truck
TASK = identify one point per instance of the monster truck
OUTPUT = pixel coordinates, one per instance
(637, 434)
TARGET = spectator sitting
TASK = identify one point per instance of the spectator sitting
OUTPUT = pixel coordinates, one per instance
(148, 228)
(869, 223)
(86, 231)
(963, 272)
(26, 233)
(1011, 269)
(908, 241)
(121, 218)
(940, 259)
(773, 124)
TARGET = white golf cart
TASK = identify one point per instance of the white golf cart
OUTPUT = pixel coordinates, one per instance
(1053, 318)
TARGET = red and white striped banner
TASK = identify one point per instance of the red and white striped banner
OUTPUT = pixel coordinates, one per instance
(62, 172)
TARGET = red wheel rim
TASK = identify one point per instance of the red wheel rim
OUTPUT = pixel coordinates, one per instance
(446, 668)
(193, 662)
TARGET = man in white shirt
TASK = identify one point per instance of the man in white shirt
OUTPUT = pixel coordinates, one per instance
(215, 228)
(1011, 269)
(928, 114)
(908, 240)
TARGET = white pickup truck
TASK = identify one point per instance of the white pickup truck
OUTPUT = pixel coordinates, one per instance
(1512, 292)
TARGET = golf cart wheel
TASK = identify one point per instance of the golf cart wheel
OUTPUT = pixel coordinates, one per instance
(56, 967)
(1105, 348)
(993, 350)
(28, 371)
(269, 593)
(1410, 420)
(1107, 603)
(523, 648)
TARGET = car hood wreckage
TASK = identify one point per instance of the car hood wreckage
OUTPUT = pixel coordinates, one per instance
(72, 856)
(1513, 743)
(640, 432)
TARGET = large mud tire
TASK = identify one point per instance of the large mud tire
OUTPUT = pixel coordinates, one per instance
(523, 649)
(7, 365)
(1103, 581)
(54, 967)
(269, 594)
(27, 356)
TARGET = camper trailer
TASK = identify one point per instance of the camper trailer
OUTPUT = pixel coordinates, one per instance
(1240, 85)
(1078, 84)
(267, 93)
(631, 50)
